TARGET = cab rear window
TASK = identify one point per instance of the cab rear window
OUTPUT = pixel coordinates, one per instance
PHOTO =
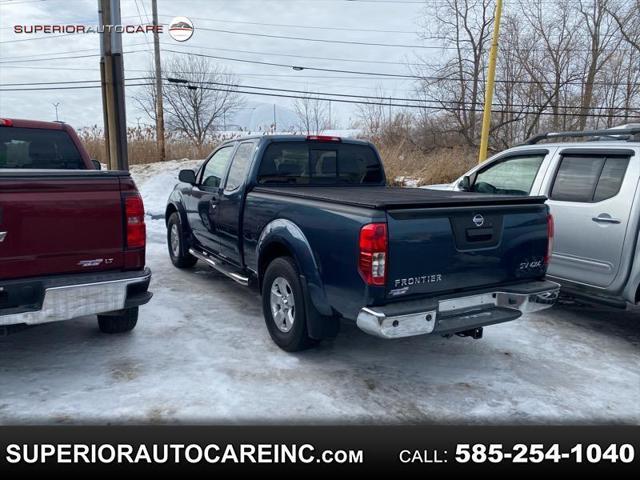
(37, 148)
(318, 163)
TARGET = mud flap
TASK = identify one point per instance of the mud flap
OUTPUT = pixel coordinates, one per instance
(319, 327)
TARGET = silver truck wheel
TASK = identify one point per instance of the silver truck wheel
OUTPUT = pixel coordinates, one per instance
(283, 305)
(175, 240)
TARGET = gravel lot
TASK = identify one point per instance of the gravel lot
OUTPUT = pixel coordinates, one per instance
(201, 353)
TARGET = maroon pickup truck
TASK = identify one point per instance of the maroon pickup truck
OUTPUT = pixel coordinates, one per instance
(72, 238)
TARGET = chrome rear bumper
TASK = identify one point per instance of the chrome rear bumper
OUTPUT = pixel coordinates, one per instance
(64, 302)
(452, 315)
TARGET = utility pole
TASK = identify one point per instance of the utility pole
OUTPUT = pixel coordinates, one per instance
(56, 105)
(275, 123)
(112, 76)
(491, 77)
(159, 100)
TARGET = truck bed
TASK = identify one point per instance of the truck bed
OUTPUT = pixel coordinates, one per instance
(394, 198)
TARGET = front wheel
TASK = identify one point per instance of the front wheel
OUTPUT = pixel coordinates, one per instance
(120, 322)
(283, 304)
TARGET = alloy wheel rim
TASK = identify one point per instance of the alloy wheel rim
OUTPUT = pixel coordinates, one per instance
(283, 306)
(175, 240)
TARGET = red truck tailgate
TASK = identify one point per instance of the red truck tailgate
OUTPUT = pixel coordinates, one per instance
(58, 222)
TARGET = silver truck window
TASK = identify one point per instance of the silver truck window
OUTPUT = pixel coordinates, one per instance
(513, 176)
(588, 178)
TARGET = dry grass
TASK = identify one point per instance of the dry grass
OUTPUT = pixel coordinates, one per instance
(142, 146)
(440, 165)
(401, 157)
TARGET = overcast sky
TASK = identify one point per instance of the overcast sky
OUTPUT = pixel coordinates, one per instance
(25, 58)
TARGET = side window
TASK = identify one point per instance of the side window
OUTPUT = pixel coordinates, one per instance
(611, 178)
(588, 178)
(213, 171)
(514, 176)
(240, 165)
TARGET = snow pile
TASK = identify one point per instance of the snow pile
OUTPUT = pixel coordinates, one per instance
(155, 182)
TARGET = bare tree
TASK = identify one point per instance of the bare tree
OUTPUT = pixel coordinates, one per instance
(312, 113)
(463, 27)
(374, 115)
(602, 42)
(627, 16)
(145, 96)
(199, 103)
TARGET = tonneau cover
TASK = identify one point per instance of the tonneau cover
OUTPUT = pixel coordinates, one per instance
(394, 198)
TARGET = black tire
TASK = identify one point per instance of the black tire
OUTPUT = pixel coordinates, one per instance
(119, 323)
(180, 258)
(297, 337)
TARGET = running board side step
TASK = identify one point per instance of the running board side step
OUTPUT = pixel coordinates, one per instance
(220, 267)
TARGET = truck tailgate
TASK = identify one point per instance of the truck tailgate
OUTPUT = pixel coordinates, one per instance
(449, 249)
(60, 222)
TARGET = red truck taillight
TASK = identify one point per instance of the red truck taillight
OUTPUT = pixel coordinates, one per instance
(134, 214)
(550, 233)
(372, 263)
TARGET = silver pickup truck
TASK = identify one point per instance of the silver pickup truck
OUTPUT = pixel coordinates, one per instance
(593, 193)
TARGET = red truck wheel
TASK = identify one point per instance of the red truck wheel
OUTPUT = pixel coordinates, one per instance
(119, 323)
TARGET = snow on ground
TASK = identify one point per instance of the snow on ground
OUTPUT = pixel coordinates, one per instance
(155, 182)
(201, 353)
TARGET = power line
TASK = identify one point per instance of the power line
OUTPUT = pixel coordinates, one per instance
(65, 82)
(2, 61)
(423, 107)
(38, 38)
(312, 27)
(333, 97)
(333, 59)
(79, 87)
(382, 98)
(324, 40)
(47, 56)
(356, 72)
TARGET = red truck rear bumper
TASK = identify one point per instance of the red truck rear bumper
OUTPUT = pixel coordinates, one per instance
(50, 299)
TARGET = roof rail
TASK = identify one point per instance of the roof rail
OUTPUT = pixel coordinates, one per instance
(613, 133)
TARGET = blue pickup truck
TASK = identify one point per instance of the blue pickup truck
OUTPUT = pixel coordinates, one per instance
(311, 222)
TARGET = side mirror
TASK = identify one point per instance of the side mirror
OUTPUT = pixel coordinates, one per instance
(187, 176)
(465, 184)
(96, 164)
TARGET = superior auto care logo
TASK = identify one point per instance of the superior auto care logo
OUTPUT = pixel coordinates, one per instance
(180, 29)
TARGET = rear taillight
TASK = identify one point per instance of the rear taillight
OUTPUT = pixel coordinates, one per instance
(134, 217)
(550, 233)
(372, 263)
(6, 122)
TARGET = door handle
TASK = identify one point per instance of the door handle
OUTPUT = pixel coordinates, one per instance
(605, 220)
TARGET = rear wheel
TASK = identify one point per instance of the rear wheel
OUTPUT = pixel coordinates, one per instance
(178, 252)
(283, 305)
(121, 322)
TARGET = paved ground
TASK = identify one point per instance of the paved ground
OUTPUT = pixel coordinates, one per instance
(202, 354)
